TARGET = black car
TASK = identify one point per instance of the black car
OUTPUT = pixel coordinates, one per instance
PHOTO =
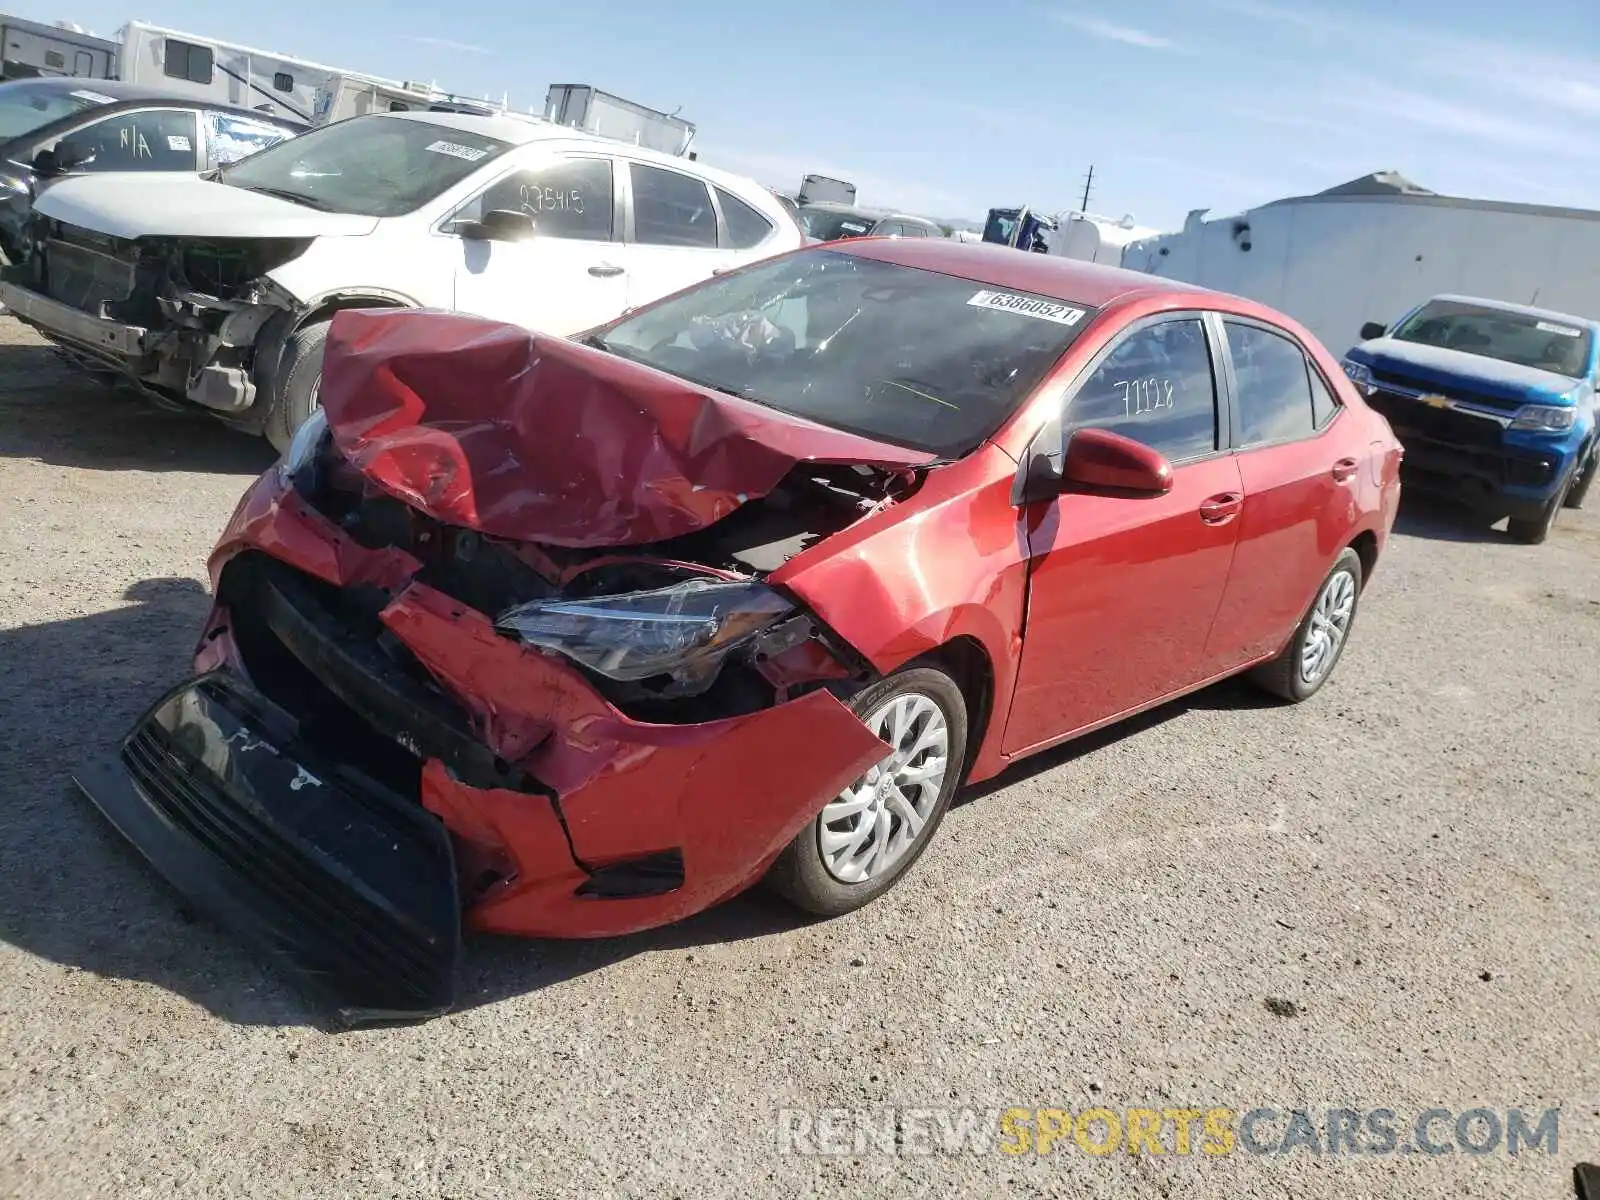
(66, 125)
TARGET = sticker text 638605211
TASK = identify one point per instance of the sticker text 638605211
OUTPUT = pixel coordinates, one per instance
(456, 150)
(1562, 330)
(1027, 306)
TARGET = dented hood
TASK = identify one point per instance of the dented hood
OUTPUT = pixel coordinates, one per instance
(536, 438)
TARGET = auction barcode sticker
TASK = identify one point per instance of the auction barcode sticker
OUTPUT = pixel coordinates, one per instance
(456, 150)
(1563, 330)
(1028, 306)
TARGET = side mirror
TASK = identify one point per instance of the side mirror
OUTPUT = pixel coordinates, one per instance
(1098, 460)
(1373, 329)
(497, 225)
(44, 164)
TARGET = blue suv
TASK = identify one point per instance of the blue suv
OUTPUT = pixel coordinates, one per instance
(1494, 403)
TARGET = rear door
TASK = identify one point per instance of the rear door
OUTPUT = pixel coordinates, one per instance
(570, 275)
(673, 234)
(1123, 590)
(1300, 467)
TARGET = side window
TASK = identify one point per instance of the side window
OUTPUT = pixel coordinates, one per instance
(1156, 387)
(568, 198)
(888, 229)
(151, 140)
(1323, 403)
(185, 60)
(233, 138)
(55, 60)
(283, 81)
(1273, 396)
(746, 226)
(670, 209)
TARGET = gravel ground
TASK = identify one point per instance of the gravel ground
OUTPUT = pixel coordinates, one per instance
(1410, 861)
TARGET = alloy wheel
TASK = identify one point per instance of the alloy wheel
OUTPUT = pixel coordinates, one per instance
(1330, 623)
(870, 826)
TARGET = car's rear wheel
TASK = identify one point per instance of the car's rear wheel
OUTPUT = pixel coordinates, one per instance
(298, 384)
(1306, 662)
(867, 837)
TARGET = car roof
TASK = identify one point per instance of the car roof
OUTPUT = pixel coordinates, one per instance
(524, 129)
(114, 88)
(1044, 274)
(1525, 310)
(134, 93)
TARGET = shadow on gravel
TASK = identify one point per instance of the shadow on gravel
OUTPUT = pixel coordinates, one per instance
(1439, 520)
(74, 892)
(55, 412)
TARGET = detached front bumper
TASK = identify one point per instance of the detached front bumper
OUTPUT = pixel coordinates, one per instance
(320, 868)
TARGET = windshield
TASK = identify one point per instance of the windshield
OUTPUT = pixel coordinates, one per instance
(24, 108)
(1522, 338)
(829, 224)
(898, 354)
(373, 166)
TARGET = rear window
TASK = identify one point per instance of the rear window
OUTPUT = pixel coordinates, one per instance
(746, 226)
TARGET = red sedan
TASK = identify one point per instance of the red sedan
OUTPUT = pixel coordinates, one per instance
(574, 638)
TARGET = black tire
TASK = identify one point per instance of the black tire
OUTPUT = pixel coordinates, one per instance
(296, 385)
(802, 877)
(1531, 531)
(1579, 487)
(1283, 676)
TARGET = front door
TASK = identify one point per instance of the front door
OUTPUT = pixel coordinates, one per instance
(571, 274)
(674, 239)
(1123, 590)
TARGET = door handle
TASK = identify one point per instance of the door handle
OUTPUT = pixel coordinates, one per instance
(1222, 508)
(722, 270)
(1345, 469)
(604, 270)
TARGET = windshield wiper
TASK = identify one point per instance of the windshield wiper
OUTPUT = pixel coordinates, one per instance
(286, 194)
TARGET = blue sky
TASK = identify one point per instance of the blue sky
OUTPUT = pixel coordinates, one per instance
(949, 109)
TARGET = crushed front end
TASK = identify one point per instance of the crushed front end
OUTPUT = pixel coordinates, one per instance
(604, 738)
(183, 318)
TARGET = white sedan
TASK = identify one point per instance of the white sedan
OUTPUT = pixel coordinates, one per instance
(218, 290)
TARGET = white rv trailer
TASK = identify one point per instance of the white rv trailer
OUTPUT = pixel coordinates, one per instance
(229, 73)
(1371, 249)
(31, 48)
(1093, 239)
(588, 108)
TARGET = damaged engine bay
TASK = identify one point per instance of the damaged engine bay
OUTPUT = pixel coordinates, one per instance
(192, 312)
(680, 631)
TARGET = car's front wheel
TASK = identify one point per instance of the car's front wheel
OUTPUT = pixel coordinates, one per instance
(1319, 641)
(297, 387)
(1579, 488)
(867, 837)
(1533, 530)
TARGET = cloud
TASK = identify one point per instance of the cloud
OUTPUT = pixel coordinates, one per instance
(1524, 131)
(445, 44)
(1112, 32)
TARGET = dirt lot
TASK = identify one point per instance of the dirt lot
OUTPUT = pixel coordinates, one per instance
(1411, 861)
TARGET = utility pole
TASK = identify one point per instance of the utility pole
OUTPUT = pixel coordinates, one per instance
(1088, 185)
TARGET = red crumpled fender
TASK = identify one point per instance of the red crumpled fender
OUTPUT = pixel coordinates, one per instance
(537, 438)
(901, 584)
(728, 794)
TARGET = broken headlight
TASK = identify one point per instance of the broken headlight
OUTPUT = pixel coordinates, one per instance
(304, 447)
(684, 630)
